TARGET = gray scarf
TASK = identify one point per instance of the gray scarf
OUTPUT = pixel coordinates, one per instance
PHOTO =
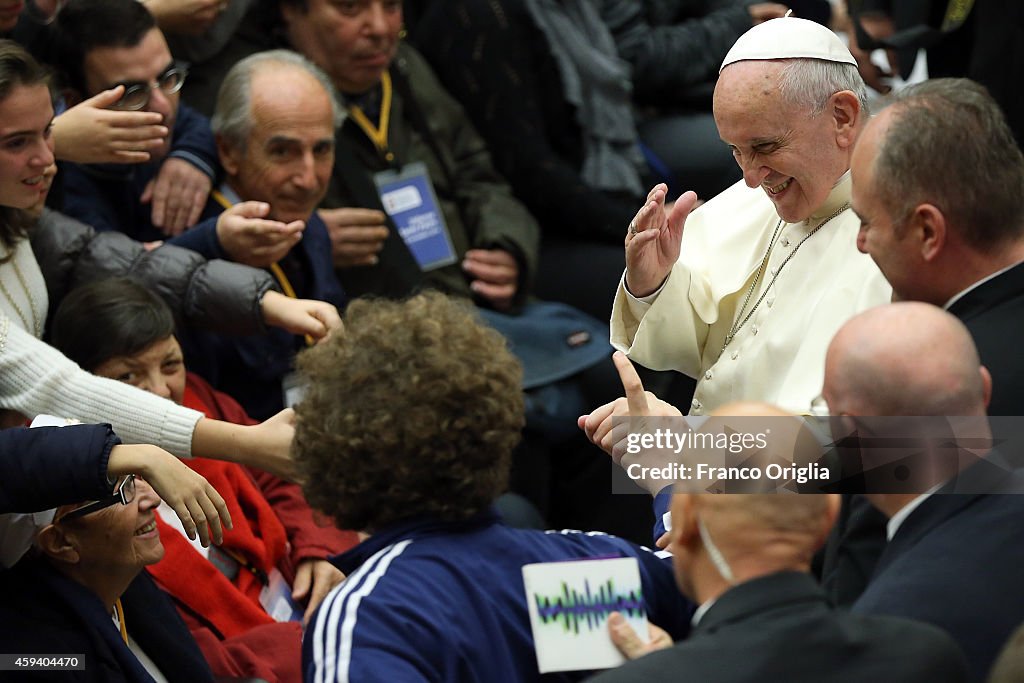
(598, 83)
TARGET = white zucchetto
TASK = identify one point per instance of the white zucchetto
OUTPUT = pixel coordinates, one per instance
(789, 38)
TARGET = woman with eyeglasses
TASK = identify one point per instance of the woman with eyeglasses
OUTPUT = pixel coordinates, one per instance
(34, 377)
(83, 600)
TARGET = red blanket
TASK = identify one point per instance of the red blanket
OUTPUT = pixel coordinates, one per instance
(236, 635)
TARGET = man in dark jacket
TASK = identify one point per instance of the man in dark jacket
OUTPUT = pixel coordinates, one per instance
(954, 236)
(745, 559)
(102, 44)
(275, 123)
(951, 546)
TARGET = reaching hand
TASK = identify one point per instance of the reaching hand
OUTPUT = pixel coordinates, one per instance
(90, 133)
(300, 316)
(629, 643)
(878, 26)
(495, 274)
(189, 17)
(249, 238)
(761, 12)
(270, 444)
(197, 504)
(653, 248)
(266, 446)
(178, 194)
(357, 235)
(314, 579)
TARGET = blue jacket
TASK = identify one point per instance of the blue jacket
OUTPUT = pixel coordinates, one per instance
(106, 196)
(49, 466)
(428, 600)
(44, 612)
(250, 368)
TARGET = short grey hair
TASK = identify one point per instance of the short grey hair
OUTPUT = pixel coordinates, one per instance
(810, 83)
(948, 144)
(232, 118)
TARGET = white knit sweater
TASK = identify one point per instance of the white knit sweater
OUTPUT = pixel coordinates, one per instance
(36, 378)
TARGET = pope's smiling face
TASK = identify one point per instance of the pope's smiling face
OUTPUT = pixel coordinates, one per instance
(794, 155)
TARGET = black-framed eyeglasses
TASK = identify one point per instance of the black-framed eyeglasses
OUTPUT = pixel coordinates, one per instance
(124, 494)
(136, 94)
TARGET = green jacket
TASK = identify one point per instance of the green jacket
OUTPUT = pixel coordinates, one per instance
(477, 203)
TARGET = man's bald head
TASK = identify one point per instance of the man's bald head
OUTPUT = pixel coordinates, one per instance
(750, 409)
(903, 359)
(802, 517)
(756, 534)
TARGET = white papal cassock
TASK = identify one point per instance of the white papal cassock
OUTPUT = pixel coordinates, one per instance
(778, 355)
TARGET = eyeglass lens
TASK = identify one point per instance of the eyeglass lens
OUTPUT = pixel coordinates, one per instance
(137, 96)
(127, 489)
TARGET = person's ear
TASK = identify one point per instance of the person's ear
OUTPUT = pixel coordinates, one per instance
(846, 114)
(230, 157)
(934, 231)
(986, 385)
(927, 225)
(56, 543)
(684, 521)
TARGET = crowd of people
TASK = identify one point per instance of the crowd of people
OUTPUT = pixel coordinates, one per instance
(316, 374)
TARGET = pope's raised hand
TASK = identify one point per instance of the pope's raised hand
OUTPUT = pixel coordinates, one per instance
(653, 247)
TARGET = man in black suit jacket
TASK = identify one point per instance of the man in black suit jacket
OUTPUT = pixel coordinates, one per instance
(745, 559)
(937, 182)
(952, 236)
(954, 548)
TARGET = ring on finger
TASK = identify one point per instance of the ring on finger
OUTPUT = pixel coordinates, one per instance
(632, 227)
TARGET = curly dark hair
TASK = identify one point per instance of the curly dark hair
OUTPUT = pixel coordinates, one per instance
(413, 410)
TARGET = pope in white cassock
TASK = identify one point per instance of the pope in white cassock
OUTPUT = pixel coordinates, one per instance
(747, 291)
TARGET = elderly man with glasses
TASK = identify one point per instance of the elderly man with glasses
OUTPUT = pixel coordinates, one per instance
(113, 48)
(83, 600)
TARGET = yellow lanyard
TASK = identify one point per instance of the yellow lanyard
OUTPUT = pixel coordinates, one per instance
(956, 14)
(119, 611)
(260, 575)
(379, 133)
(275, 269)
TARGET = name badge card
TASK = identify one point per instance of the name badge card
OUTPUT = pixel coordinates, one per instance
(293, 389)
(408, 198)
(276, 598)
(569, 604)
